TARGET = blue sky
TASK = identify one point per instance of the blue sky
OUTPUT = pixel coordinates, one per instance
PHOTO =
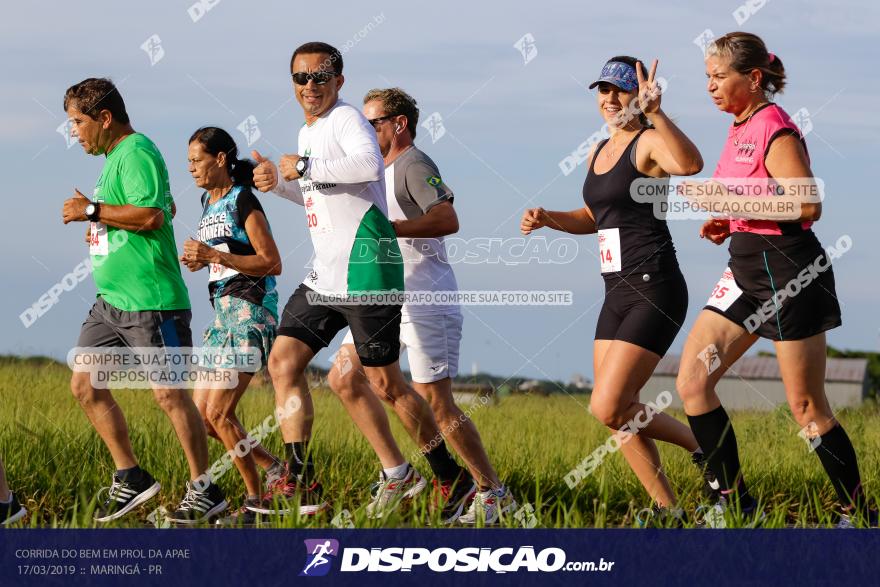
(509, 123)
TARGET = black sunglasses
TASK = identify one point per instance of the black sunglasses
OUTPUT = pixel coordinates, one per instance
(319, 77)
(375, 121)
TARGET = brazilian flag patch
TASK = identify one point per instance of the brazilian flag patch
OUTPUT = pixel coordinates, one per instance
(433, 181)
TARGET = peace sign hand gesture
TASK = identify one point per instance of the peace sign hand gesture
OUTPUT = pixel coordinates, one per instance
(649, 91)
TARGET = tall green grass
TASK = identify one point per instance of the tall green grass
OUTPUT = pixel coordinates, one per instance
(56, 463)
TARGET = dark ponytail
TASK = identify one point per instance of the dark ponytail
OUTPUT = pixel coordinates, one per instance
(747, 52)
(242, 172)
(216, 140)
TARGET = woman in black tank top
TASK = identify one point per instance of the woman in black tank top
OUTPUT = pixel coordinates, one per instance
(645, 294)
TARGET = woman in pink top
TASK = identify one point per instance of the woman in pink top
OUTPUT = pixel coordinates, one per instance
(778, 284)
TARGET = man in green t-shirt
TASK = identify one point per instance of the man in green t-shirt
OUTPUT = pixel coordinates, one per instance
(142, 302)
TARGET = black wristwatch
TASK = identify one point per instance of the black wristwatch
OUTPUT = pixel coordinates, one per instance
(302, 166)
(93, 210)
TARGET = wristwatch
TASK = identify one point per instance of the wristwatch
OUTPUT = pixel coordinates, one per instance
(93, 209)
(302, 165)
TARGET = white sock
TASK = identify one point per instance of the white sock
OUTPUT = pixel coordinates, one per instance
(398, 472)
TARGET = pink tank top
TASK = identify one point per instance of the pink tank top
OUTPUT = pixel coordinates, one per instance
(743, 157)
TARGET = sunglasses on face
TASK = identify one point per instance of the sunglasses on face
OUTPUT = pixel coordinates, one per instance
(375, 121)
(319, 77)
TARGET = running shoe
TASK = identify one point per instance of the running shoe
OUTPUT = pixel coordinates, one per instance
(11, 511)
(274, 473)
(711, 486)
(489, 507)
(661, 517)
(717, 515)
(199, 506)
(244, 516)
(124, 496)
(847, 522)
(391, 492)
(451, 497)
(291, 492)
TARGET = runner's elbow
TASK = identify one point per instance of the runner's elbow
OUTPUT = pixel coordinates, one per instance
(694, 165)
(155, 221)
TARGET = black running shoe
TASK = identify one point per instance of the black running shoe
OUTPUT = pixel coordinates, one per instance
(11, 511)
(124, 496)
(453, 496)
(199, 506)
(711, 486)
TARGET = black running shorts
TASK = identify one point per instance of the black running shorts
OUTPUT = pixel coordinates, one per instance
(375, 328)
(778, 287)
(645, 309)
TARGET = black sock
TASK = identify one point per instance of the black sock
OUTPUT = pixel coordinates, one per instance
(442, 464)
(714, 433)
(298, 460)
(838, 457)
(131, 475)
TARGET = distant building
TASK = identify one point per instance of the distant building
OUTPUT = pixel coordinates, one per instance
(469, 393)
(533, 386)
(580, 382)
(754, 383)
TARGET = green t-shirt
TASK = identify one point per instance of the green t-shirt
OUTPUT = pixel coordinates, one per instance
(138, 270)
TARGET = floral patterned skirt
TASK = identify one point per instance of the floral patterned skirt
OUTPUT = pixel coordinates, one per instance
(241, 326)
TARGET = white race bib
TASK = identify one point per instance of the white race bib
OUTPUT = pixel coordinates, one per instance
(98, 243)
(216, 271)
(317, 214)
(609, 250)
(726, 291)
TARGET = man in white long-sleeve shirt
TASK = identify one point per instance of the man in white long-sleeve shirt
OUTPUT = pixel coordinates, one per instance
(339, 179)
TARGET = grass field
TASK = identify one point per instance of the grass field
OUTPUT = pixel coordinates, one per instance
(56, 463)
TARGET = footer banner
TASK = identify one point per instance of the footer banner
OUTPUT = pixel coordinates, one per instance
(436, 557)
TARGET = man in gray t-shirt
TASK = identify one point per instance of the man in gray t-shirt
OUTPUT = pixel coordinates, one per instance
(421, 212)
(420, 209)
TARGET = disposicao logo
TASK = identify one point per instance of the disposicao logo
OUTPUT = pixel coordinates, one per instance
(318, 553)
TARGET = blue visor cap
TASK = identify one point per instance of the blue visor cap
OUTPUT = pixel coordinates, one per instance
(622, 75)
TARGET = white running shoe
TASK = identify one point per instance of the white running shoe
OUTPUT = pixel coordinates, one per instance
(389, 493)
(489, 506)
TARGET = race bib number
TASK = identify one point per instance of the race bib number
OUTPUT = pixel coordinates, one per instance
(317, 214)
(98, 242)
(609, 250)
(725, 293)
(216, 271)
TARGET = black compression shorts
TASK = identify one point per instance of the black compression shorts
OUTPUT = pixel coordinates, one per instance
(645, 309)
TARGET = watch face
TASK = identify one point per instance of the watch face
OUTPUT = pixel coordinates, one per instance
(90, 209)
